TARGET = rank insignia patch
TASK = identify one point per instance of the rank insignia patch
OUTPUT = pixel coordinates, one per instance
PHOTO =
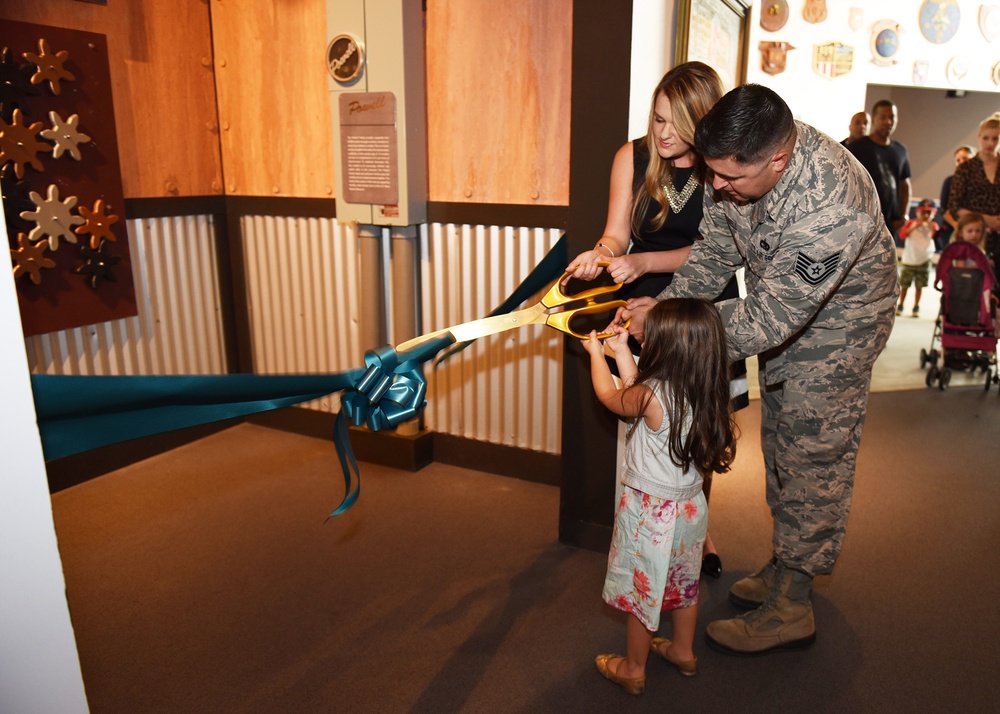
(815, 271)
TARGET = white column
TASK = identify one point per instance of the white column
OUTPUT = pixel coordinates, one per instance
(39, 666)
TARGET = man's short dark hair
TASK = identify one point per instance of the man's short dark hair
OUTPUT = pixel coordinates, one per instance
(747, 124)
(881, 103)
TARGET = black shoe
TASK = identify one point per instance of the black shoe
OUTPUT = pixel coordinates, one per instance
(711, 565)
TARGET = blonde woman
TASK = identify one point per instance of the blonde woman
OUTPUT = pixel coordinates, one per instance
(976, 187)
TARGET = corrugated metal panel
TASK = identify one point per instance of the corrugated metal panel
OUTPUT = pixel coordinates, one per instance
(302, 291)
(304, 277)
(179, 327)
(505, 389)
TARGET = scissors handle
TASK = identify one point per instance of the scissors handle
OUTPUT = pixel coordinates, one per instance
(561, 320)
(555, 296)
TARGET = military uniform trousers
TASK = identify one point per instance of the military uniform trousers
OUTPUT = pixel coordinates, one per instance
(810, 431)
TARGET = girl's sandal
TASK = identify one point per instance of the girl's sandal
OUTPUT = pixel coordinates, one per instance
(632, 686)
(688, 669)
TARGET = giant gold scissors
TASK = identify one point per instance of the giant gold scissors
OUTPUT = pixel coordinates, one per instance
(547, 311)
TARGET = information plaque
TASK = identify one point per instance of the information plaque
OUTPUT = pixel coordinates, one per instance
(368, 148)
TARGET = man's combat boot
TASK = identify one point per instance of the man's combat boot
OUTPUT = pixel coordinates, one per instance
(783, 622)
(753, 590)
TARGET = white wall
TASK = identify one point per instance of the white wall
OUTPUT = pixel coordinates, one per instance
(828, 104)
(39, 667)
(652, 55)
(929, 124)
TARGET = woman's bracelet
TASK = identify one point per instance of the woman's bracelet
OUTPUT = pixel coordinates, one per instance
(603, 245)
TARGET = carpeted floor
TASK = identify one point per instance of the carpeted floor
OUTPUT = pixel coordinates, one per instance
(205, 580)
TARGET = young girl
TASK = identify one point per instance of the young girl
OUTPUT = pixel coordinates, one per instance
(682, 428)
(971, 228)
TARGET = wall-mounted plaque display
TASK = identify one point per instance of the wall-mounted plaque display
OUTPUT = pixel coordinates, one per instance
(856, 18)
(989, 21)
(814, 11)
(939, 20)
(773, 56)
(885, 39)
(345, 58)
(956, 69)
(368, 148)
(832, 59)
(773, 14)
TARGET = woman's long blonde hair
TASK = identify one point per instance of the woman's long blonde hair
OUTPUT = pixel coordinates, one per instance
(990, 122)
(692, 89)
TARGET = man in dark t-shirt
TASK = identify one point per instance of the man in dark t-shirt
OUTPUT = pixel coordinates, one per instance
(888, 163)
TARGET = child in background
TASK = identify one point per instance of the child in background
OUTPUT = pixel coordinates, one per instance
(677, 399)
(971, 228)
(918, 246)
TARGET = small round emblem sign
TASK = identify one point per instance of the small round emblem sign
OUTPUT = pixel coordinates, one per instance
(345, 58)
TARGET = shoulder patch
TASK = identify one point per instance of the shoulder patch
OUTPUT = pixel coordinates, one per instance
(815, 271)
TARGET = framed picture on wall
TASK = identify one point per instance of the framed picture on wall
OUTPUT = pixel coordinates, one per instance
(716, 32)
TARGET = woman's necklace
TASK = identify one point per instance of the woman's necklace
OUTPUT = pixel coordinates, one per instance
(678, 199)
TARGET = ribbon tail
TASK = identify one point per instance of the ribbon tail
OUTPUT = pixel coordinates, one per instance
(348, 464)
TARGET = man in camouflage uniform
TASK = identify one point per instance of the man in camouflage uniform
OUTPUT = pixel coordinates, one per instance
(795, 209)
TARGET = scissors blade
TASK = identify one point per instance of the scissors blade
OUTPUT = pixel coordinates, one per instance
(497, 323)
(480, 328)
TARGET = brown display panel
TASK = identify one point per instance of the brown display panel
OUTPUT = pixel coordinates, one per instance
(274, 102)
(66, 298)
(160, 54)
(498, 101)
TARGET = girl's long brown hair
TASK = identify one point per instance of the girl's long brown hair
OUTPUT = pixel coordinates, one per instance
(692, 89)
(685, 348)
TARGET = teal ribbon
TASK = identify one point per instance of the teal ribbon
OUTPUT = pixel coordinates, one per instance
(76, 413)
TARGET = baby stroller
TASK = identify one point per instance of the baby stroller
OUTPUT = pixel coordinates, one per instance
(964, 324)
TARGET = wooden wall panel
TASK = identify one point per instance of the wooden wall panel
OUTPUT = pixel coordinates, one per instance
(161, 73)
(498, 78)
(274, 104)
(498, 100)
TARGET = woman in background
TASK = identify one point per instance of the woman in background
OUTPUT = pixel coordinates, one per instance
(975, 187)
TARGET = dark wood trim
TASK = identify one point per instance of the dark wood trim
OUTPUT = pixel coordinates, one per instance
(599, 123)
(498, 214)
(72, 470)
(524, 464)
(169, 206)
(239, 334)
(232, 295)
(282, 206)
(385, 448)
(582, 534)
(412, 453)
(485, 214)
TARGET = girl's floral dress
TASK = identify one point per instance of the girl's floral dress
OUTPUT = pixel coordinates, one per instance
(655, 558)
